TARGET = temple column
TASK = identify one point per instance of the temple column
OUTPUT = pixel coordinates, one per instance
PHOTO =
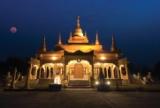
(35, 76)
(108, 72)
(50, 73)
(126, 67)
(112, 73)
(39, 72)
(97, 72)
(64, 74)
(45, 73)
(118, 74)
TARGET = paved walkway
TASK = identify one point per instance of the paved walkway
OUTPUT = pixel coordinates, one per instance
(79, 98)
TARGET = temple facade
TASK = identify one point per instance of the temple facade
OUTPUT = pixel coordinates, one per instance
(77, 62)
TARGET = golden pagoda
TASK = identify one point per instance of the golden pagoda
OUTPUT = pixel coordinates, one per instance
(78, 62)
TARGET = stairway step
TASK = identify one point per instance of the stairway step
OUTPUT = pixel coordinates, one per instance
(79, 83)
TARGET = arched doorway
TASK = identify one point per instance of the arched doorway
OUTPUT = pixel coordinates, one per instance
(78, 70)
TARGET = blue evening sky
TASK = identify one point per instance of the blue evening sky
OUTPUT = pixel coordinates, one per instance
(136, 24)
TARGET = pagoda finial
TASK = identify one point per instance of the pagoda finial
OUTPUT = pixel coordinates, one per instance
(78, 31)
(78, 36)
(70, 36)
(59, 40)
(113, 46)
(44, 44)
(97, 39)
(78, 21)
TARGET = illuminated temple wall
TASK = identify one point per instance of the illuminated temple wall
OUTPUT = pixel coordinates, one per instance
(110, 71)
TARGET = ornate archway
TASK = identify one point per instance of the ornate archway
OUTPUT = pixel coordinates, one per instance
(78, 70)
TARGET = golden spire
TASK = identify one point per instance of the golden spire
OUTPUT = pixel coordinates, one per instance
(78, 30)
(43, 46)
(97, 39)
(78, 21)
(59, 40)
(113, 46)
(78, 36)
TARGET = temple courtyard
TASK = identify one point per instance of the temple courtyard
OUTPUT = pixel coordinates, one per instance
(79, 98)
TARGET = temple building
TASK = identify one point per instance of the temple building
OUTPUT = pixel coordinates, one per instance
(78, 62)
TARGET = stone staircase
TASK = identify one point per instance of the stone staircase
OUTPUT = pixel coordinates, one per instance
(79, 83)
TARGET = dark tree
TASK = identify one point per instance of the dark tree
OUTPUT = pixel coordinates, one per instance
(156, 72)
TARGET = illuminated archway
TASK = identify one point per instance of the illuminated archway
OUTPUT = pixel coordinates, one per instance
(78, 70)
(109, 70)
(49, 70)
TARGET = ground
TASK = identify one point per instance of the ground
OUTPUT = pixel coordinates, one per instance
(79, 98)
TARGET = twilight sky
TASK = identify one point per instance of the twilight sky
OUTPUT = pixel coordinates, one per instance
(136, 24)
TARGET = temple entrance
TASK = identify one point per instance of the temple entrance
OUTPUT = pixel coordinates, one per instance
(79, 72)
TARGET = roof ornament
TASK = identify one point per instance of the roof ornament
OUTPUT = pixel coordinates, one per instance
(97, 39)
(43, 46)
(78, 21)
(59, 40)
(113, 46)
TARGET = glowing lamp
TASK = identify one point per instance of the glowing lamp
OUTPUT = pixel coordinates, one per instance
(108, 83)
(54, 58)
(102, 58)
(97, 83)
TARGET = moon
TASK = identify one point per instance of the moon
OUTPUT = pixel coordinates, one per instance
(13, 29)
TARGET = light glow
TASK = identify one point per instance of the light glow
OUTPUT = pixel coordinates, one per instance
(102, 58)
(108, 83)
(54, 58)
(97, 83)
(57, 80)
